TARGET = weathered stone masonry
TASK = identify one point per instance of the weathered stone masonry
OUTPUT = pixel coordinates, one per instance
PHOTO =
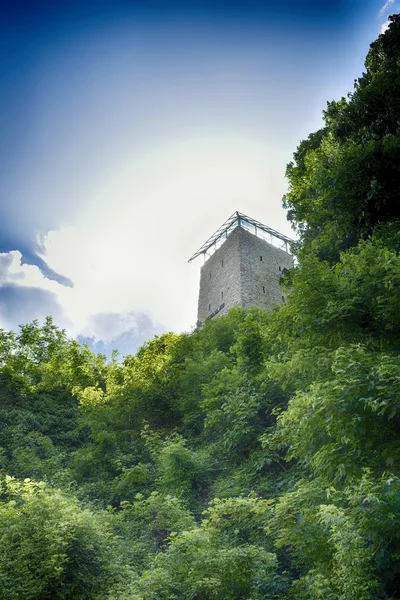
(243, 271)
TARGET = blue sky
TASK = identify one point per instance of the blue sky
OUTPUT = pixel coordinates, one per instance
(132, 130)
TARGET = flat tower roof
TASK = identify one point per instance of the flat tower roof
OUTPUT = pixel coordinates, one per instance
(240, 220)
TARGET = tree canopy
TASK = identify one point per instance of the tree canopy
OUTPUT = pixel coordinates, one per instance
(345, 178)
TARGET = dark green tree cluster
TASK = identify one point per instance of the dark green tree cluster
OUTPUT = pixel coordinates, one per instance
(255, 458)
(345, 178)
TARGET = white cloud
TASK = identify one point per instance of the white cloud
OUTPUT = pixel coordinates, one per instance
(135, 234)
(106, 332)
(7, 267)
(385, 11)
(26, 295)
(128, 255)
(110, 326)
(385, 26)
(385, 8)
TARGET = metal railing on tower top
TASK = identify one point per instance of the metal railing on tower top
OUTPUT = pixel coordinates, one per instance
(240, 220)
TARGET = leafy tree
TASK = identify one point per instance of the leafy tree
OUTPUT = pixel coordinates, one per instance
(50, 547)
(224, 558)
(146, 524)
(345, 178)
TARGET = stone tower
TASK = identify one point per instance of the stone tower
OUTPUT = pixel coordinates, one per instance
(244, 260)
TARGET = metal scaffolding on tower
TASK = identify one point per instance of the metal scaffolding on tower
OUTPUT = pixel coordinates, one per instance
(241, 220)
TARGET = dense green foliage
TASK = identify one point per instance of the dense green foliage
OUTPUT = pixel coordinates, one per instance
(255, 458)
(345, 178)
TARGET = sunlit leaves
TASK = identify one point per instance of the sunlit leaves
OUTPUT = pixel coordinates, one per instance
(224, 558)
(49, 546)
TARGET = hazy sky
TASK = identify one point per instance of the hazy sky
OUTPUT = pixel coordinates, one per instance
(131, 130)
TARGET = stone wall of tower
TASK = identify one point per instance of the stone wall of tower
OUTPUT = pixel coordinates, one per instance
(261, 265)
(220, 279)
(243, 271)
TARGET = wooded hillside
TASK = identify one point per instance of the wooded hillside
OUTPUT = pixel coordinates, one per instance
(255, 458)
